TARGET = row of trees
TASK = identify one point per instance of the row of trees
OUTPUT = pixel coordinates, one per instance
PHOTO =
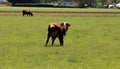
(89, 3)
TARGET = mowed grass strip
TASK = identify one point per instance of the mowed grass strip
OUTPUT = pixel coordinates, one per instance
(90, 43)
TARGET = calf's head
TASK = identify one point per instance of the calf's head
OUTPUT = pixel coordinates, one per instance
(65, 25)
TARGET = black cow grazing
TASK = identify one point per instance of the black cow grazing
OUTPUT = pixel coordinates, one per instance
(57, 30)
(27, 12)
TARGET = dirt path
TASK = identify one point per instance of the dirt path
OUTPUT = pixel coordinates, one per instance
(13, 13)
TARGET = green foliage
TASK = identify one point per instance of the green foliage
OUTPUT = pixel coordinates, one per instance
(90, 43)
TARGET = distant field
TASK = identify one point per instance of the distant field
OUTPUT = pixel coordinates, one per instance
(41, 9)
(91, 43)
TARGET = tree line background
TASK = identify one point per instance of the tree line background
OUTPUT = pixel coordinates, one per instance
(81, 3)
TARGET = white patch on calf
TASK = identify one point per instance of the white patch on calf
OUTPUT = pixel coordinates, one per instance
(64, 25)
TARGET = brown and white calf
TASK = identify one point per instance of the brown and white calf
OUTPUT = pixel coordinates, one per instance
(57, 30)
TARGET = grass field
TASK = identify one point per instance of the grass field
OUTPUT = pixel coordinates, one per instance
(91, 43)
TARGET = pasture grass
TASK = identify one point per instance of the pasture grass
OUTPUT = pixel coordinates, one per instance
(90, 43)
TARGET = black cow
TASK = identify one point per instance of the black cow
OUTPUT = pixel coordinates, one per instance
(27, 12)
(57, 30)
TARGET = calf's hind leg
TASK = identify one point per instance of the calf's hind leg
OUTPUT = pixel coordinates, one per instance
(48, 37)
(53, 39)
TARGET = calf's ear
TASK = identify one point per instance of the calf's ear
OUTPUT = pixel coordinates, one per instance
(68, 24)
(62, 23)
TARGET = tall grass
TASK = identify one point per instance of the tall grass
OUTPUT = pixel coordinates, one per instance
(90, 43)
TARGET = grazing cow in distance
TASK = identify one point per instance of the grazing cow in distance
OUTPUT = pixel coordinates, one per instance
(57, 30)
(27, 12)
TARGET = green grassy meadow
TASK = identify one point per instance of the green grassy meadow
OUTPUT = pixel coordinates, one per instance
(91, 43)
